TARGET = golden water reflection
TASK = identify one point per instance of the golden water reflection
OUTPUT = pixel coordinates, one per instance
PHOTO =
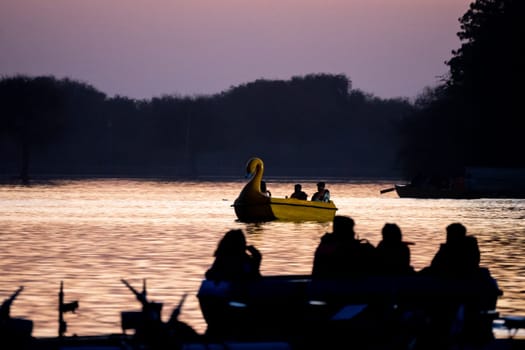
(92, 233)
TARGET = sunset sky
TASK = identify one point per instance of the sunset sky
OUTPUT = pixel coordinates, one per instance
(149, 48)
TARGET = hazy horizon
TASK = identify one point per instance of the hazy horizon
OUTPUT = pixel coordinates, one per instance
(145, 49)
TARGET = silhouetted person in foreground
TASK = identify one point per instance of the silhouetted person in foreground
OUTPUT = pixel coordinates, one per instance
(234, 260)
(340, 254)
(343, 261)
(299, 193)
(393, 255)
(459, 256)
(322, 194)
(458, 319)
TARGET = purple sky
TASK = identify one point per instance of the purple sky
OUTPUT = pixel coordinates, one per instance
(147, 48)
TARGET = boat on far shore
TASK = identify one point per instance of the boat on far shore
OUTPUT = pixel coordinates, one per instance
(432, 192)
(252, 205)
(474, 184)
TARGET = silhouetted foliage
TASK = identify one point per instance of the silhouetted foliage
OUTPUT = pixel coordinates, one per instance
(314, 125)
(83, 144)
(487, 74)
(32, 114)
(475, 117)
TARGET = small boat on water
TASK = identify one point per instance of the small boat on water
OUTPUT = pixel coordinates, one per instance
(431, 192)
(475, 183)
(252, 205)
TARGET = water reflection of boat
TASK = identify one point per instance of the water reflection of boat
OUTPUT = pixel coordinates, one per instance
(254, 206)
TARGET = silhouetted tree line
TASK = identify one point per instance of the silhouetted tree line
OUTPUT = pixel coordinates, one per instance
(315, 125)
(476, 116)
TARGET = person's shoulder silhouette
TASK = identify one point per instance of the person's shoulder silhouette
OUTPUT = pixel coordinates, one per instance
(459, 256)
(340, 254)
(234, 260)
(393, 255)
(299, 193)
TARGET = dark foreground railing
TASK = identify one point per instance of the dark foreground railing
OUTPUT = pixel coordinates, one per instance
(377, 309)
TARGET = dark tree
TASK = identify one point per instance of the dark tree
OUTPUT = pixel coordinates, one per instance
(487, 76)
(31, 114)
(475, 118)
(314, 125)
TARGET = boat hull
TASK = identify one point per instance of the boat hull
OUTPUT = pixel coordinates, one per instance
(300, 210)
(476, 183)
(253, 212)
(410, 191)
(252, 205)
(286, 209)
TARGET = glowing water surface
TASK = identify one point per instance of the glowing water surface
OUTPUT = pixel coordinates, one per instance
(92, 233)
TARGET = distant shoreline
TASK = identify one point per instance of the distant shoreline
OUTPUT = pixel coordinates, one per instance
(49, 178)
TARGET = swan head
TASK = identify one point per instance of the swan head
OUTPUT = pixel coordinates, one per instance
(252, 190)
(254, 166)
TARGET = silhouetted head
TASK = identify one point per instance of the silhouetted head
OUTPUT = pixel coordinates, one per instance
(343, 225)
(391, 233)
(456, 232)
(298, 187)
(232, 243)
(320, 185)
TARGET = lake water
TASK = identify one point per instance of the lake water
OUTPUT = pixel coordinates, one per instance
(90, 234)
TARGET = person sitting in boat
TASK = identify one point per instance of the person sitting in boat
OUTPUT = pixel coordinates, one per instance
(458, 260)
(459, 256)
(340, 254)
(393, 255)
(299, 193)
(322, 194)
(234, 259)
(264, 190)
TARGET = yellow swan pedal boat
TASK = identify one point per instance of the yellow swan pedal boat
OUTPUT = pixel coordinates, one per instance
(254, 206)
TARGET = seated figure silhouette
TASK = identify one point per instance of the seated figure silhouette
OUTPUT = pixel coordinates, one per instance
(264, 189)
(393, 255)
(340, 254)
(299, 193)
(234, 260)
(322, 194)
(459, 256)
(460, 320)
